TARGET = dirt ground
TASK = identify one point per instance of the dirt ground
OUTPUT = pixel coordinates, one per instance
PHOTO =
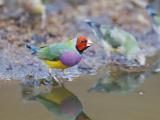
(63, 23)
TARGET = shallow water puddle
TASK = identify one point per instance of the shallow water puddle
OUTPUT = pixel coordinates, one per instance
(98, 106)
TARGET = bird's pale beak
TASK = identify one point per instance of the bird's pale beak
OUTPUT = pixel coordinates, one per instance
(89, 43)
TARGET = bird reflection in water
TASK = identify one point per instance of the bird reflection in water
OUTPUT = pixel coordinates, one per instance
(119, 81)
(57, 99)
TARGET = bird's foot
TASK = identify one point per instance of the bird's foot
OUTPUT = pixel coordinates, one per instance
(55, 79)
(59, 81)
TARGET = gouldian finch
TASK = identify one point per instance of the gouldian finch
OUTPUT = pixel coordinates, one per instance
(35, 7)
(116, 40)
(153, 9)
(62, 55)
(58, 100)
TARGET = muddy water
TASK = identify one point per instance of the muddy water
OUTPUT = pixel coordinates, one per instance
(142, 104)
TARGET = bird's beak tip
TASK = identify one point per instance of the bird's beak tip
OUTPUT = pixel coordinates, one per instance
(89, 43)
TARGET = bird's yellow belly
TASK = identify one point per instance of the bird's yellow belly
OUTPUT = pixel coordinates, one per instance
(55, 64)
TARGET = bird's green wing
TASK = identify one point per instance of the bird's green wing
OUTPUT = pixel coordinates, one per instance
(54, 51)
(51, 52)
(106, 31)
(128, 41)
(131, 45)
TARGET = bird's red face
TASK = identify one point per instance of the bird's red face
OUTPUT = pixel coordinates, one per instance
(83, 43)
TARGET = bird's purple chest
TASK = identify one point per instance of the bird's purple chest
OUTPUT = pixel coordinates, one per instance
(70, 58)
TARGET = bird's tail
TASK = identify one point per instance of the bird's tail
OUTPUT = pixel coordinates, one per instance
(33, 48)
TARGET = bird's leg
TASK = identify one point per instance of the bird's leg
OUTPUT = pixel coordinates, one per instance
(60, 83)
(50, 72)
(53, 77)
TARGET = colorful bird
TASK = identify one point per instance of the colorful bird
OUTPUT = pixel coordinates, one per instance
(35, 7)
(116, 40)
(62, 55)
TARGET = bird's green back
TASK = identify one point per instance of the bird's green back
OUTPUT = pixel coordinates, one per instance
(115, 43)
(53, 51)
(127, 40)
(131, 45)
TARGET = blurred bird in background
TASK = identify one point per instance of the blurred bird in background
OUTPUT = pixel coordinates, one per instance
(116, 40)
(35, 8)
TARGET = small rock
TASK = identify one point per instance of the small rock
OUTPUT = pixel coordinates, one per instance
(141, 93)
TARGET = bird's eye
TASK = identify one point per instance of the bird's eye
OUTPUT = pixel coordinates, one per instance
(136, 60)
(84, 41)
